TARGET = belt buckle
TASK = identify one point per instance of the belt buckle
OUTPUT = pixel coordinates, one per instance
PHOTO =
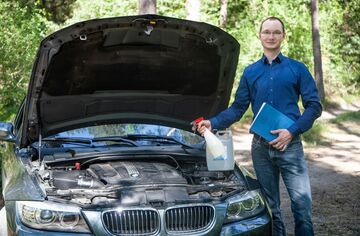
(261, 139)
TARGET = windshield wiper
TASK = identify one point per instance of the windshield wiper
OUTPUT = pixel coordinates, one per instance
(116, 139)
(90, 142)
(158, 138)
(68, 140)
(127, 139)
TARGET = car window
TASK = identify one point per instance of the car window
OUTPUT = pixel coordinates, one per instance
(115, 130)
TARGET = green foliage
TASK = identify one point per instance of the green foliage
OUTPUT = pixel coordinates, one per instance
(25, 22)
(56, 11)
(340, 46)
(347, 116)
(314, 135)
(350, 45)
(22, 28)
(174, 8)
(85, 10)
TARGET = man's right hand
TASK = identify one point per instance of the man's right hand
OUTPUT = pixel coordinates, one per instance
(202, 126)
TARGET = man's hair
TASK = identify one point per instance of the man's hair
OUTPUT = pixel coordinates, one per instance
(273, 18)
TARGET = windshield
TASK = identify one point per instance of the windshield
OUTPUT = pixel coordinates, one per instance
(117, 130)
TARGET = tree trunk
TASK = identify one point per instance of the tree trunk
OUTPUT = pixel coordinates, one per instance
(147, 7)
(317, 49)
(192, 10)
(223, 13)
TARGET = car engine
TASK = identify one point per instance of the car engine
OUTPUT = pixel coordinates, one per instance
(127, 182)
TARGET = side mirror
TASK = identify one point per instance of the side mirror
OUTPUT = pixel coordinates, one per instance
(6, 132)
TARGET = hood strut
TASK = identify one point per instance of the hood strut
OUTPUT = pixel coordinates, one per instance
(39, 151)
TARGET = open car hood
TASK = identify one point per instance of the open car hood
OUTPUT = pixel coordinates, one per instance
(136, 69)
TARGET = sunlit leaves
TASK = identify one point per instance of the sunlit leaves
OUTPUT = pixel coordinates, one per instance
(22, 29)
(24, 23)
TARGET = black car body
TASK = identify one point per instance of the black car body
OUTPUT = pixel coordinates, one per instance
(102, 144)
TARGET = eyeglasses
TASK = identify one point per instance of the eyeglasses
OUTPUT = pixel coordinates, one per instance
(268, 33)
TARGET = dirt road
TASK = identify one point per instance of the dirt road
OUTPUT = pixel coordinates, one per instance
(334, 168)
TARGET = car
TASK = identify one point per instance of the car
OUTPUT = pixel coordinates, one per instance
(102, 143)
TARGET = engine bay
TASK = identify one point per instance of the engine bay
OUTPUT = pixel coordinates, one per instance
(138, 182)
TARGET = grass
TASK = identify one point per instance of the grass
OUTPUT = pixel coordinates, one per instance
(347, 116)
(314, 135)
(350, 98)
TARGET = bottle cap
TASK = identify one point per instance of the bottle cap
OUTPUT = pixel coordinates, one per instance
(198, 120)
(77, 165)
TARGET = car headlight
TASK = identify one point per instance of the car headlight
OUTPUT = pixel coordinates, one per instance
(243, 206)
(51, 216)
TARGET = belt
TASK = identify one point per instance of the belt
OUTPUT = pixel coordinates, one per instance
(261, 139)
(265, 142)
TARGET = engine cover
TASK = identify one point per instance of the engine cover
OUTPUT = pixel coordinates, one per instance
(136, 173)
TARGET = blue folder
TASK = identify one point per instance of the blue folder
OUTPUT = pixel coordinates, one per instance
(267, 119)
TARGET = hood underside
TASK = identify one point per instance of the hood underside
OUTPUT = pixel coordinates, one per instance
(148, 69)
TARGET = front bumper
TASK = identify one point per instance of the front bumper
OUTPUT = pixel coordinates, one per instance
(251, 227)
(259, 225)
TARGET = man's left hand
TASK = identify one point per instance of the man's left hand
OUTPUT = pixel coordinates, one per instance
(283, 139)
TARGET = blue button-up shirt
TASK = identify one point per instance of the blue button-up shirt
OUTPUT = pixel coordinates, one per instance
(279, 84)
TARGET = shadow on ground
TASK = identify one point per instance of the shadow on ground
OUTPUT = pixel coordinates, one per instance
(334, 169)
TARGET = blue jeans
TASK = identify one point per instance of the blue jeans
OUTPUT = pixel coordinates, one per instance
(269, 163)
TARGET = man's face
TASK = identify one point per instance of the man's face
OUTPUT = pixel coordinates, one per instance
(271, 35)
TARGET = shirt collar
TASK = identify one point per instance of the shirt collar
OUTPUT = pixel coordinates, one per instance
(278, 59)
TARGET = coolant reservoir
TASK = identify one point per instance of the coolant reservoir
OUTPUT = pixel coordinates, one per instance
(220, 158)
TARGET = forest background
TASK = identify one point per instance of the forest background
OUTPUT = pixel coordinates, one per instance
(24, 23)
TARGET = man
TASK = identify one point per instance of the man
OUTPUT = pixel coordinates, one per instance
(279, 81)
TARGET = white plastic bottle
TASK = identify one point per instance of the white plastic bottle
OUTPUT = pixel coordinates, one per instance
(214, 146)
(219, 149)
(225, 136)
(224, 161)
